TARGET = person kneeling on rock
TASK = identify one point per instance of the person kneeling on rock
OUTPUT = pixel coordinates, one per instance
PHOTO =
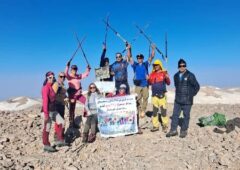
(50, 114)
(91, 107)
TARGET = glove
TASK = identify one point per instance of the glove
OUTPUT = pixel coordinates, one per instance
(89, 68)
(68, 63)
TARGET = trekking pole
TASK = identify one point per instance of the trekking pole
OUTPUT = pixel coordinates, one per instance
(136, 37)
(75, 52)
(150, 41)
(106, 31)
(84, 55)
(115, 32)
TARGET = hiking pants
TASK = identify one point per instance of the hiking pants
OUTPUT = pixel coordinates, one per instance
(61, 110)
(159, 103)
(73, 100)
(142, 98)
(91, 123)
(176, 113)
(57, 118)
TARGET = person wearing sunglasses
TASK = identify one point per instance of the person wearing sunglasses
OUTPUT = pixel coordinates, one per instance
(50, 114)
(158, 80)
(61, 96)
(140, 80)
(91, 107)
(104, 62)
(119, 71)
(75, 90)
(187, 87)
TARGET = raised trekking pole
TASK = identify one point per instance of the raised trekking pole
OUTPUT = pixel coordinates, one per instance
(84, 55)
(150, 41)
(75, 52)
(166, 47)
(136, 37)
(116, 33)
(106, 31)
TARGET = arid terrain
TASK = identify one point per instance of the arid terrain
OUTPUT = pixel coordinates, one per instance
(21, 145)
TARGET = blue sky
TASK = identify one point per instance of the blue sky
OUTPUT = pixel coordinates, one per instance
(38, 35)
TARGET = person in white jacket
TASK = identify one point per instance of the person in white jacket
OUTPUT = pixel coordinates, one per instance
(91, 107)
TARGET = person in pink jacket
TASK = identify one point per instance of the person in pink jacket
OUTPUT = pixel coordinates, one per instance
(75, 90)
(50, 114)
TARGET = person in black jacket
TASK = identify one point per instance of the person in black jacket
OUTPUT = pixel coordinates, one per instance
(104, 62)
(186, 88)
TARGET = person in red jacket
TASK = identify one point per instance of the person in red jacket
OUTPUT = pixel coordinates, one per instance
(158, 79)
(50, 114)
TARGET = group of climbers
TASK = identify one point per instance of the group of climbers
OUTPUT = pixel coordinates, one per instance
(55, 96)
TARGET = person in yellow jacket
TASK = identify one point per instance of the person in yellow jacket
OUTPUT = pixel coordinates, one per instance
(158, 79)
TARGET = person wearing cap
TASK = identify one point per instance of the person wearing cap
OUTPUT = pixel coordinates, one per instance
(104, 62)
(75, 90)
(61, 96)
(50, 114)
(187, 87)
(140, 80)
(119, 71)
(158, 80)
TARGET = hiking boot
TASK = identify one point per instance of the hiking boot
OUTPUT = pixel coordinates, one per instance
(164, 129)
(171, 133)
(91, 138)
(85, 138)
(60, 143)
(183, 134)
(154, 129)
(48, 148)
(139, 131)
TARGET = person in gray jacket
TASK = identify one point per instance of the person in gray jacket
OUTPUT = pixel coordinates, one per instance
(91, 107)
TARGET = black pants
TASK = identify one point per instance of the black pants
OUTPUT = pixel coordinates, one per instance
(176, 113)
(91, 123)
(60, 109)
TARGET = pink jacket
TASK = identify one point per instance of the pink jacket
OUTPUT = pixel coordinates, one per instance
(74, 82)
(48, 98)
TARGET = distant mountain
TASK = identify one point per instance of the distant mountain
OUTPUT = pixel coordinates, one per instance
(19, 103)
(207, 95)
(210, 95)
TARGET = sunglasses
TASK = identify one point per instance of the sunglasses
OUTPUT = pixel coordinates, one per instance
(93, 87)
(118, 56)
(181, 66)
(139, 58)
(62, 77)
(51, 77)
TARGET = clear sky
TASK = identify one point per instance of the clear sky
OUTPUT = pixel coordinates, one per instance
(38, 35)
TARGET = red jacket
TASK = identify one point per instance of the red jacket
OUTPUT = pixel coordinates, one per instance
(158, 81)
(157, 77)
(48, 99)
